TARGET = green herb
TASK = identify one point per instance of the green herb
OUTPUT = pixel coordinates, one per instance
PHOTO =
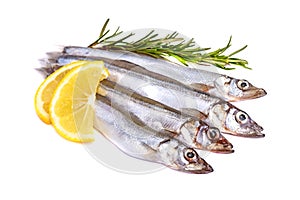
(169, 46)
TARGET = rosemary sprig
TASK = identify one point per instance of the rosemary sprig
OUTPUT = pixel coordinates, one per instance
(169, 46)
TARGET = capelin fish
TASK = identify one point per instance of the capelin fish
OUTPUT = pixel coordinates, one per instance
(144, 143)
(214, 111)
(187, 129)
(219, 85)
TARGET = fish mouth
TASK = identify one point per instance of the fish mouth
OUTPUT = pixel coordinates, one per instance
(201, 167)
(260, 93)
(255, 93)
(207, 169)
(256, 132)
(254, 135)
(246, 135)
(251, 93)
(222, 149)
(223, 146)
(204, 170)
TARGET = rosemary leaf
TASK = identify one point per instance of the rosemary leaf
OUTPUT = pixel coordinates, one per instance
(169, 46)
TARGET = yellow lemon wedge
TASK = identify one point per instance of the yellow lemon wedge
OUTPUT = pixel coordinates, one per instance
(44, 93)
(72, 106)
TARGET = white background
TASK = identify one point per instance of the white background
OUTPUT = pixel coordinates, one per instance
(38, 164)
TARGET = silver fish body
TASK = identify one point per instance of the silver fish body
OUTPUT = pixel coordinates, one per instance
(144, 143)
(214, 111)
(222, 86)
(185, 128)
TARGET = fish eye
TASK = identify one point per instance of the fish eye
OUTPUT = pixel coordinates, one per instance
(241, 117)
(243, 84)
(213, 133)
(190, 155)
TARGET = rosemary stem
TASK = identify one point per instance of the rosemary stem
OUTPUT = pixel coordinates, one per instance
(170, 45)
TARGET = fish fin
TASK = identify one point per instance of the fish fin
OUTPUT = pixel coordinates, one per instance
(169, 133)
(195, 113)
(44, 71)
(150, 152)
(201, 87)
(148, 147)
(54, 55)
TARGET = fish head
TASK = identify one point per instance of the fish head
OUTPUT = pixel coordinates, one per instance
(207, 138)
(188, 160)
(233, 89)
(216, 142)
(232, 120)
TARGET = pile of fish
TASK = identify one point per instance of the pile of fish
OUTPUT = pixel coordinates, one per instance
(159, 111)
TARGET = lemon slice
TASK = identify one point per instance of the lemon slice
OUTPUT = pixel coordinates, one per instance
(45, 91)
(72, 106)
